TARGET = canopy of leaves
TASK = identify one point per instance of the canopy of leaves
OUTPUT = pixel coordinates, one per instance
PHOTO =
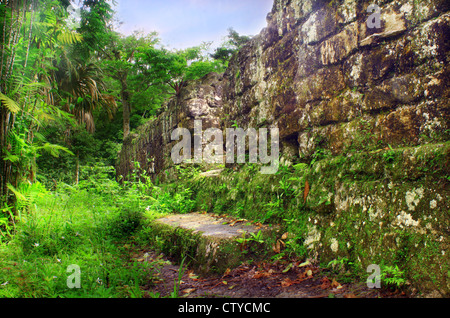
(233, 44)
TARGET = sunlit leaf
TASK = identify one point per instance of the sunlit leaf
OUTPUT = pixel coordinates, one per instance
(9, 104)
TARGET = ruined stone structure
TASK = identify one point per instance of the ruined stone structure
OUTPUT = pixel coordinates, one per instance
(365, 108)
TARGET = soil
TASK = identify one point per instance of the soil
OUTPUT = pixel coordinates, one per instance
(276, 279)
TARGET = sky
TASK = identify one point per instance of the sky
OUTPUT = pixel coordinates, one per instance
(187, 23)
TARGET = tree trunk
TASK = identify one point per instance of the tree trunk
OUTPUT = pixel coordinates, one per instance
(77, 168)
(126, 108)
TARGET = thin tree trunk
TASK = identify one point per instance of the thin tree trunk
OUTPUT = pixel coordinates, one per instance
(126, 108)
(30, 33)
(3, 42)
(77, 168)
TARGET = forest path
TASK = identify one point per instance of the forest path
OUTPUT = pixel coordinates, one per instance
(278, 279)
(248, 278)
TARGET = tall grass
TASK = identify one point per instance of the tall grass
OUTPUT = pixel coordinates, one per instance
(90, 225)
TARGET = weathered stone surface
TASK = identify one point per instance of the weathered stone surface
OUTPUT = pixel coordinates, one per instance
(339, 46)
(213, 238)
(393, 23)
(209, 226)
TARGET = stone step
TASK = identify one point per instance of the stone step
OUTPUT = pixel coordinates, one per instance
(211, 242)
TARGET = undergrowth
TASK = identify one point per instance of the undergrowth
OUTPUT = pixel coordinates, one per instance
(90, 225)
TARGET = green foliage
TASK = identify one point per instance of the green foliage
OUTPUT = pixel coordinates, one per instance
(9, 103)
(253, 237)
(392, 276)
(233, 44)
(390, 156)
(91, 225)
(164, 202)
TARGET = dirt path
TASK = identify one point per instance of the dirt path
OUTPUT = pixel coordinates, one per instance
(279, 279)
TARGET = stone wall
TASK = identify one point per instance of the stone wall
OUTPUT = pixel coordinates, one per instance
(317, 72)
(364, 109)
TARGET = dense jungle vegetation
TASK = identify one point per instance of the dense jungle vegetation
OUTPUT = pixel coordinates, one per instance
(71, 89)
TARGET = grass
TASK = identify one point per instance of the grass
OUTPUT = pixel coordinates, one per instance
(92, 226)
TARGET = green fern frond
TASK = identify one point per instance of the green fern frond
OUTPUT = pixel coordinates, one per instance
(67, 37)
(54, 150)
(19, 196)
(9, 103)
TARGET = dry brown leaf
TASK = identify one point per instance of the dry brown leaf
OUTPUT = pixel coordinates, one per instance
(287, 282)
(285, 236)
(335, 284)
(305, 193)
(227, 272)
(325, 283)
(260, 275)
(237, 221)
(188, 290)
(277, 247)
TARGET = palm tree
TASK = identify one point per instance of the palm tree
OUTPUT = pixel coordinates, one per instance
(81, 89)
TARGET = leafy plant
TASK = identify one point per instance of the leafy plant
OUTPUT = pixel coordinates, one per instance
(256, 237)
(392, 276)
(177, 283)
(390, 156)
(75, 225)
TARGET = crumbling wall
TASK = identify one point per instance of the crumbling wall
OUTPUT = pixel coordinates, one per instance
(364, 109)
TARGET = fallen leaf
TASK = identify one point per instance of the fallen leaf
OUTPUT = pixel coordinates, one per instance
(191, 275)
(325, 283)
(309, 273)
(188, 290)
(304, 264)
(305, 193)
(335, 284)
(287, 268)
(227, 272)
(287, 282)
(285, 236)
(277, 247)
(261, 275)
(237, 221)
(225, 282)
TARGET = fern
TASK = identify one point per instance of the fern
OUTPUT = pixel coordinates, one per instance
(54, 150)
(20, 197)
(67, 37)
(9, 103)
(26, 193)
